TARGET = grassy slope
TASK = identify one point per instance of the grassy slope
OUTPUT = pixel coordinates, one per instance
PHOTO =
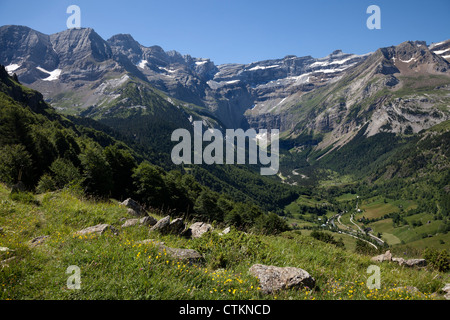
(115, 267)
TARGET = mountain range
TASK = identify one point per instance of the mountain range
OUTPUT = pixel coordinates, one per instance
(397, 89)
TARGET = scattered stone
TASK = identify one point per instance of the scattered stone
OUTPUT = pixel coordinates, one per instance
(189, 256)
(133, 213)
(148, 221)
(199, 228)
(150, 241)
(130, 222)
(272, 278)
(161, 225)
(446, 289)
(225, 231)
(38, 241)
(411, 262)
(400, 261)
(186, 233)
(6, 262)
(416, 263)
(145, 221)
(98, 229)
(164, 226)
(177, 226)
(134, 208)
(387, 256)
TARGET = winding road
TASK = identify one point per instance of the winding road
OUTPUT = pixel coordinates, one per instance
(351, 231)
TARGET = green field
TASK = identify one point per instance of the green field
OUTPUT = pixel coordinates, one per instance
(377, 208)
(347, 197)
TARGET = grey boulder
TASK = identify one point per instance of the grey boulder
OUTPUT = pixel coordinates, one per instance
(272, 278)
(199, 228)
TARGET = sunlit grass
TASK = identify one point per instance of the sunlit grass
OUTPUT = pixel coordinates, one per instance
(118, 267)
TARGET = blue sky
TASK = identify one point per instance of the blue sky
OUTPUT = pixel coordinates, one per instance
(243, 31)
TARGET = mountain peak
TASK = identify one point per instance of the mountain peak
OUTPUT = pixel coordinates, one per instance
(77, 44)
(121, 37)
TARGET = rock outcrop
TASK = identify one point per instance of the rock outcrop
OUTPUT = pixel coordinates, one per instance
(38, 241)
(6, 252)
(188, 256)
(177, 226)
(225, 231)
(130, 223)
(164, 226)
(145, 221)
(272, 278)
(148, 221)
(410, 262)
(387, 256)
(446, 289)
(98, 230)
(161, 225)
(199, 228)
(134, 208)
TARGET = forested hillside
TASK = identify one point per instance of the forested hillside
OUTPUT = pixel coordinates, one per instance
(43, 151)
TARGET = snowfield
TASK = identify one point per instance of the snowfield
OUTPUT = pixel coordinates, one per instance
(142, 64)
(12, 67)
(53, 75)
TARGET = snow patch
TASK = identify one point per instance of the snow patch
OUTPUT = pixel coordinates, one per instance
(328, 63)
(331, 70)
(142, 64)
(167, 70)
(436, 44)
(199, 63)
(53, 75)
(284, 99)
(12, 67)
(440, 52)
(232, 81)
(263, 67)
(304, 78)
(408, 61)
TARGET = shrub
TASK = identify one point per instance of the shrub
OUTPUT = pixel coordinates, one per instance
(270, 224)
(229, 250)
(15, 164)
(45, 184)
(328, 238)
(438, 260)
(64, 173)
(24, 197)
(363, 247)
